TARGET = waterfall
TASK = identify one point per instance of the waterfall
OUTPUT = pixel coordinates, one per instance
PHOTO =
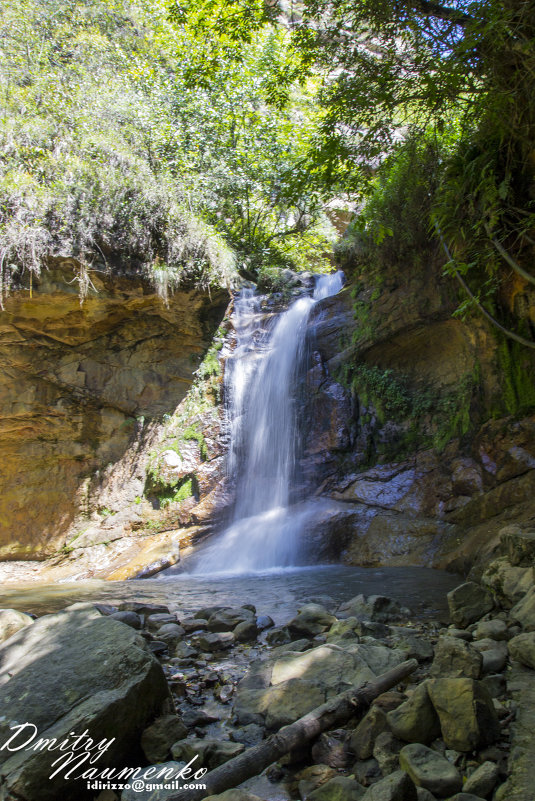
(260, 383)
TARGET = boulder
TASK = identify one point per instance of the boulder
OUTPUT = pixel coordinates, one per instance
(398, 786)
(415, 721)
(227, 619)
(170, 633)
(494, 655)
(246, 631)
(214, 641)
(280, 635)
(312, 777)
(211, 753)
(128, 618)
(155, 621)
(483, 780)
(364, 736)
(71, 672)
(524, 611)
(386, 751)
(157, 739)
(495, 629)
(455, 659)
(341, 788)
(311, 619)
(467, 717)
(264, 622)
(11, 621)
(414, 645)
(522, 648)
(468, 602)
(430, 770)
(378, 608)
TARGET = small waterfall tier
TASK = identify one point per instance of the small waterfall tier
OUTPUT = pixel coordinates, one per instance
(261, 379)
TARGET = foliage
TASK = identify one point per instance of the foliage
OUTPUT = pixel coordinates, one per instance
(78, 181)
(112, 161)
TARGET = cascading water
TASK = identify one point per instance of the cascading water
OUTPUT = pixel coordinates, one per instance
(260, 385)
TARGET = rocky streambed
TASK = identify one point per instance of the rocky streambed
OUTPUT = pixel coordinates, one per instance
(200, 687)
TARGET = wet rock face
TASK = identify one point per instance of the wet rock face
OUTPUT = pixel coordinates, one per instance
(78, 384)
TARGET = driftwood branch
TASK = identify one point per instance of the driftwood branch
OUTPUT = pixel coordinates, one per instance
(335, 711)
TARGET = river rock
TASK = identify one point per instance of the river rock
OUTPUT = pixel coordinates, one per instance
(279, 705)
(524, 611)
(378, 608)
(128, 618)
(157, 739)
(213, 641)
(11, 621)
(386, 751)
(467, 717)
(170, 633)
(280, 635)
(424, 795)
(264, 622)
(415, 720)
(414, 645)
(248, 735)
(483, 780)
(246, 631)
(398, 786)
(495, 629)
(68, 672)
(522, 648)
(341, 788)
(494, 655)
(455, 658)
(227, 619)
(331, 748)
(364, 736)
(430, 770)
(211, 752)
(465, 797)
(343, 630)
(468, 602)
(310, 620)
(154, 622)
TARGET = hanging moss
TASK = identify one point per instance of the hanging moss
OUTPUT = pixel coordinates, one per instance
(518, 382)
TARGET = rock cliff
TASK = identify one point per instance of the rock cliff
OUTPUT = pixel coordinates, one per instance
(81, 386)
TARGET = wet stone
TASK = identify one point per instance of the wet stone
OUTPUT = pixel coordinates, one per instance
(128, 618)
(430, 770)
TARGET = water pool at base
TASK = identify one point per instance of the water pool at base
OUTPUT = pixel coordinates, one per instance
(278, 594)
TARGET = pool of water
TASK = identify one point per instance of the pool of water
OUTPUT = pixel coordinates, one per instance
(275, 593)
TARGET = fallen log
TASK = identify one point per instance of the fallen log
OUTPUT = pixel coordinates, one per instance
(335, 711)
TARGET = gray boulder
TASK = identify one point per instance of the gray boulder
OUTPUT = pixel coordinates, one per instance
(468, 602)
(524, 611)
(227, 619)
(72, 672)
(211, 752)
(430, 770)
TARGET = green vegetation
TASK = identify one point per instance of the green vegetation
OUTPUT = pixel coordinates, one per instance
(426, 415)
(112, 161)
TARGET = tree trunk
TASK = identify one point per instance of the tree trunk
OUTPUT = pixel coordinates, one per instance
(335, 711)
